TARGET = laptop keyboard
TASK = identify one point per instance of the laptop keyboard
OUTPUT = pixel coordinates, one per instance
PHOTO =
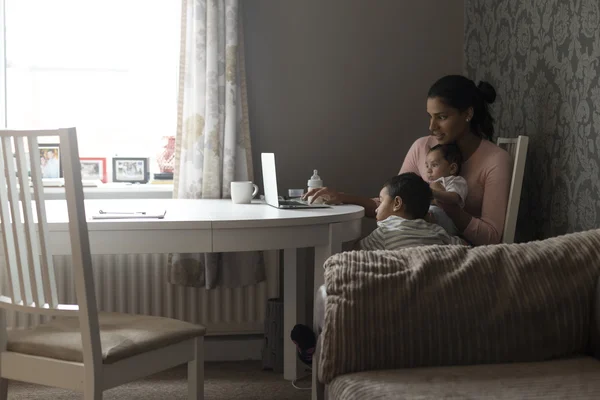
(292, 202)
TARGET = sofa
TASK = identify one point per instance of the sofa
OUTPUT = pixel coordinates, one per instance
(507, 321)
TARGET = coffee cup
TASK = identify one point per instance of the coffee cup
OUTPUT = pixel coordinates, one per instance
(242, 192)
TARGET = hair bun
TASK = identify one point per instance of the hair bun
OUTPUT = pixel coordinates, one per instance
(487, 91)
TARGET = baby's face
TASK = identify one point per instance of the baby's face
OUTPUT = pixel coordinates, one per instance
(437, 166)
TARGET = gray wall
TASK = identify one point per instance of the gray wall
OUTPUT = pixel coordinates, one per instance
(543, 58)
(340, 85)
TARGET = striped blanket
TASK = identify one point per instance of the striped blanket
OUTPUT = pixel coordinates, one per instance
(454, 305)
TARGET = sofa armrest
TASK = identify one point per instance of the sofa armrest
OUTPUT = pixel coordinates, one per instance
(318, 388)
(319, 309)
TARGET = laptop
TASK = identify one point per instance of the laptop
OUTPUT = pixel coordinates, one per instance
(270, 185)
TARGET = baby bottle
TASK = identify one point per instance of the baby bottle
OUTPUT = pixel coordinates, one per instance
(313, 183)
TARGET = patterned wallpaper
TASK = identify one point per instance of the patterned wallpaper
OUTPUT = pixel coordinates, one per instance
(543, 58)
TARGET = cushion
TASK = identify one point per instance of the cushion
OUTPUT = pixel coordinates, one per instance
(454, 305)
(575, 378)
(121, 336)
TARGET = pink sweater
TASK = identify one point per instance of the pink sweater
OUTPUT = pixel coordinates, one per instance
(488, 175)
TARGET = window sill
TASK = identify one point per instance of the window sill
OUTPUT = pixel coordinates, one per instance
(116, 191)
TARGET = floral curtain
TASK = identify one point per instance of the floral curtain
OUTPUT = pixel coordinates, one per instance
(213, 138)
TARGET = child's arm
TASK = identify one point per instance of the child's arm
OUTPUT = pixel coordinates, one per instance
(440, 194)
(446, 197)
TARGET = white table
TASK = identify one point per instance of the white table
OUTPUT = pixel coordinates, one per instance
(207, 226)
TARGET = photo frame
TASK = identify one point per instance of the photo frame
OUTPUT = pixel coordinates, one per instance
(50, 161)
(130, 169)
(93, 168)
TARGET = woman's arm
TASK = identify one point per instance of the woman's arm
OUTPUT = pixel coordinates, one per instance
(368, 204)
(460, 217)
(332, 196)
(489, 227)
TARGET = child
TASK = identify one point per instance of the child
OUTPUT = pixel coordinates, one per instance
(405, 201)
(443, 164)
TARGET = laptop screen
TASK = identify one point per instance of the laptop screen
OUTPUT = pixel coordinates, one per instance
(270, 179)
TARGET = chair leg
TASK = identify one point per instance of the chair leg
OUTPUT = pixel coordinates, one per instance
(196, 371)
(3, 344)
(3, 389)
(92, 387)
(92, 395)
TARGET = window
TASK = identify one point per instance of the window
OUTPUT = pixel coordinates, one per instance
(106, 67)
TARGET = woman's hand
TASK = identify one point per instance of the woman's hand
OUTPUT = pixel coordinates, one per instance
(329, 195)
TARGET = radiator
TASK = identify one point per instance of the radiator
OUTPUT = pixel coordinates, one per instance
(137, 283)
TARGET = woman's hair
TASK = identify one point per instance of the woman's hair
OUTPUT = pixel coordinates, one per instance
(450, 152)
(461, 93)
(413, 190)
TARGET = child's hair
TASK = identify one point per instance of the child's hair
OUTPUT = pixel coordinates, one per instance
(451, 153)
(413, 190)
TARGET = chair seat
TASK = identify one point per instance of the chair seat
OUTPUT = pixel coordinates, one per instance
(121, 336)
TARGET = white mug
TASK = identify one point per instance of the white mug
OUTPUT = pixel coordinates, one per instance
(243, 192)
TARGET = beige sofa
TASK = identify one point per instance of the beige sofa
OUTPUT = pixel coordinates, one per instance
(516, 321)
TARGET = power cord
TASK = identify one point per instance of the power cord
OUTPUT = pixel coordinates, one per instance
(299, 379)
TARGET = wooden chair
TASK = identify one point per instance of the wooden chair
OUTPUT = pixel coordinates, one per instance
(517, 148)
(80, 348)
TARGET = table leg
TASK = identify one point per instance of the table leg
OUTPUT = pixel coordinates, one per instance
(294, 305)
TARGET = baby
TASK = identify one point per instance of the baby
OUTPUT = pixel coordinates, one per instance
(443, 164)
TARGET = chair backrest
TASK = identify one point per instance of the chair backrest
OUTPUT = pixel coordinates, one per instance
(25, 233)
(517, 148)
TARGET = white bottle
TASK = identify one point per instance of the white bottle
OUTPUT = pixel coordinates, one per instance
(315, 182)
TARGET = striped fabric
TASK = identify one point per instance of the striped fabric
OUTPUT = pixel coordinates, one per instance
(451, 305)
(395, 233)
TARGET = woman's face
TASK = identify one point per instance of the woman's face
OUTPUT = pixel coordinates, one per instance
(447, 124)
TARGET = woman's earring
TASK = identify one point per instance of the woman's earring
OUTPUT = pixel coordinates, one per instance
(467, 119)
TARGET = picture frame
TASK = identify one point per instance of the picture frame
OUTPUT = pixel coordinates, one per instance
(93, 168)
(50, 161)
(130, 169)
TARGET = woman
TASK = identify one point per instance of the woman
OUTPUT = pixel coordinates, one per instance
(459, 113)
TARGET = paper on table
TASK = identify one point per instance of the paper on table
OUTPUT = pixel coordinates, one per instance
(115, 214)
